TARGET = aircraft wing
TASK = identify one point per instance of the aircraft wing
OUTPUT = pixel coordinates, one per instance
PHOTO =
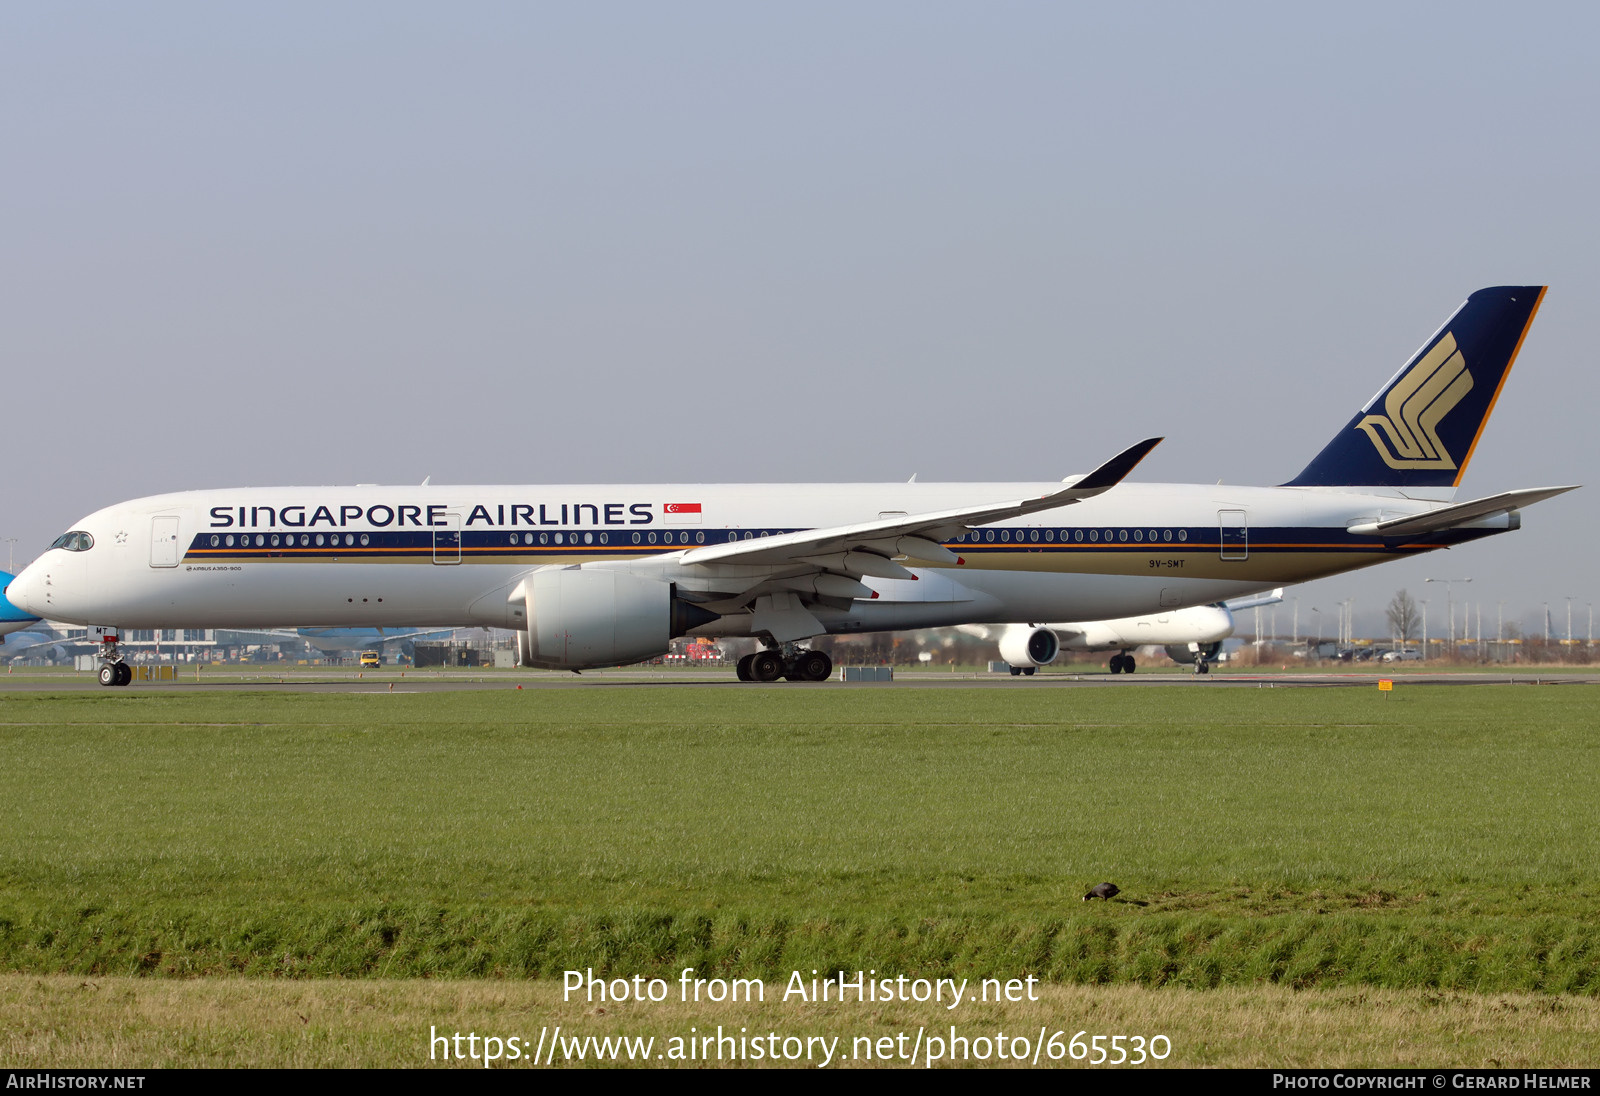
(19, 652)
(1462, 513)
(845, 548)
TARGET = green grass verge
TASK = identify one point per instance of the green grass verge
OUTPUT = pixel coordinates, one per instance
(1445, 837)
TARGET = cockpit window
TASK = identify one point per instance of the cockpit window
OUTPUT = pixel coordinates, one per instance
(74, 541)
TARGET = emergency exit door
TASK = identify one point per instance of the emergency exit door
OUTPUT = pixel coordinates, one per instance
(447, 541)
(1235, 534)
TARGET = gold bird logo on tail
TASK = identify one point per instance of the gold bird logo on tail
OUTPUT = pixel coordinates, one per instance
(1409, 435)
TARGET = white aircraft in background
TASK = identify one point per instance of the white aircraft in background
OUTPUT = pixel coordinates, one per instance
(343, 641)
(1192, 635)
(591, 576)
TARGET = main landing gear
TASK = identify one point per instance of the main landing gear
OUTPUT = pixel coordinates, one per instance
(1122, 663)
(789, 662)
(1018, 671)
(1201, 666)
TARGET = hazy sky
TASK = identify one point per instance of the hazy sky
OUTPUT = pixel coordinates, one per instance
(523, 243)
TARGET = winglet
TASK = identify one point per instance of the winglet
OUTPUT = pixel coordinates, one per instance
(1111, 473)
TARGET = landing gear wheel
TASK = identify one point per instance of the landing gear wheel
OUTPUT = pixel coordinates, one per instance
(813, 666)
(1016, 671)
(743, 668)
(765, 666)
(109, 675)
(124, 673)
(1115, 665)
(1128, 664)
(1201, 666)
(1027, 671)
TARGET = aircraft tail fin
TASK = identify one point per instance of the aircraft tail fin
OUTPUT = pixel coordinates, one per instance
(1421, 428)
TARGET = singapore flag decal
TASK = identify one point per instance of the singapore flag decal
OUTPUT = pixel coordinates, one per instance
(681, 513)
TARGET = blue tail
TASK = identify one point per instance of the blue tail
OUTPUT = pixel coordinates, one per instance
(1421, 428)
(11, 618)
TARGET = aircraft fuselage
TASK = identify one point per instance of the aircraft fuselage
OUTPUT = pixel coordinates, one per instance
(440, 556)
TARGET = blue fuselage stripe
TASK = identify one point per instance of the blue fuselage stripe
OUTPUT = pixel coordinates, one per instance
(429, 543)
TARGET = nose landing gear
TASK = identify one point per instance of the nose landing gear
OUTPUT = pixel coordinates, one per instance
(113, 671)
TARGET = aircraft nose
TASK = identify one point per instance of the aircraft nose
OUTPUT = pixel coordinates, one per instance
(17, 603)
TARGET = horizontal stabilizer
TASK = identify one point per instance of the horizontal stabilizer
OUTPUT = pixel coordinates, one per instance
(1236, 604)
(1462, 513)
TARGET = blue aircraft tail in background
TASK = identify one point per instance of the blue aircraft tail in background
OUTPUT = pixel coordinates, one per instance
(12, 619)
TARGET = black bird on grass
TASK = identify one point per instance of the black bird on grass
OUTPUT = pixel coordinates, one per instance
(1102, 890)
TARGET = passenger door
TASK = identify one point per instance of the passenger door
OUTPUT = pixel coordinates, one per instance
(164, 549)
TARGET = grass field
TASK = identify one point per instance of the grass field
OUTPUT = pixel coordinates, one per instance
(131, 1023)
(1446, 839)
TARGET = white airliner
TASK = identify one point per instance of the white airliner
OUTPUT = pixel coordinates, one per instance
(1192, 635)
(594, 576)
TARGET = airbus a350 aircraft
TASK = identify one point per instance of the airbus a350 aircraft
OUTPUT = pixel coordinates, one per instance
(1192, 635)
(593, 576)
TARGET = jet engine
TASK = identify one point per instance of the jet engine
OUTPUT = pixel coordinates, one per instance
(1023, 645)
(582, 619)
(1188, 652)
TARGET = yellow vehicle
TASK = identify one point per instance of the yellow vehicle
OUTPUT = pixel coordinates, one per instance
(370, 658)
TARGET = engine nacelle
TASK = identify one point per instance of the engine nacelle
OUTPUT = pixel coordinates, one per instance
(582, 619)
(1022, 645)
(1189, 652)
